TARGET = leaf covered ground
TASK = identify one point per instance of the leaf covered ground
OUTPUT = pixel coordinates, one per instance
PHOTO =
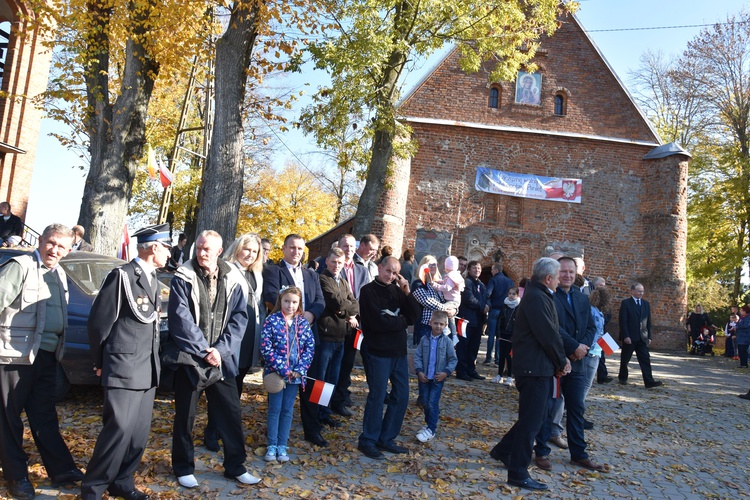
(685, 440)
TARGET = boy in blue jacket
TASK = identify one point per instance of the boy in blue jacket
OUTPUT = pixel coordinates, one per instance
(434, 360)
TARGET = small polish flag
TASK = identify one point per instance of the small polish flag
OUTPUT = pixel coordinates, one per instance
(608, 344)
(358, 339)
(165, 174)
(461, 326)
(321, 393)
(556, 387)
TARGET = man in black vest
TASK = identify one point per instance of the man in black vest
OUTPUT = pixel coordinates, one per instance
(124, 339)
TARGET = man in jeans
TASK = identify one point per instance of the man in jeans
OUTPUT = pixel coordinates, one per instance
(386, 311)
(497, 291)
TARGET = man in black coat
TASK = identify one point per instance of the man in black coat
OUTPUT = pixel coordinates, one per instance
(124, 338)
(11, 226)
(474, 309)
(538, 355)
(577, 330)
(291, 272)
(635, 334)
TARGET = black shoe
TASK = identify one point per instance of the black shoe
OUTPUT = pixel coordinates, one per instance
(331, 423)
(342, 410)
(655, 383)
(588, 425)
(211, 440)
(605, 380)
(622, 381)
(21, 488)
(316, 439)
(744, 396)
(477, 376)
(69, 477)
(370, 452)
(528, 484)
(392, 448)
(464, 377)
(129, 495)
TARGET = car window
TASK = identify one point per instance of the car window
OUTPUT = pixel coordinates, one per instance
(89, 274)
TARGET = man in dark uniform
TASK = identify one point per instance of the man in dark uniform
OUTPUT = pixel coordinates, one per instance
(124, 339)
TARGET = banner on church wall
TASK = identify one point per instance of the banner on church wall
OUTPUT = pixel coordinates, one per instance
(528, 186)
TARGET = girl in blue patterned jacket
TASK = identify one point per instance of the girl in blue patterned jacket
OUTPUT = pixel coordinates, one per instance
(287, 346)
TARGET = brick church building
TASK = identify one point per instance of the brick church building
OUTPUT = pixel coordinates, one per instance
(24, 69)
(561, 159)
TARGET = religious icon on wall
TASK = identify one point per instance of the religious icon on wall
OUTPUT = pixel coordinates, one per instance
(528, 87)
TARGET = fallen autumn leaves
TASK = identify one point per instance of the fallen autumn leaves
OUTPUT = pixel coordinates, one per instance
(686, 440)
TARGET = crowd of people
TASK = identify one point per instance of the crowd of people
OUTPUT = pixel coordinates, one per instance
(233, 310)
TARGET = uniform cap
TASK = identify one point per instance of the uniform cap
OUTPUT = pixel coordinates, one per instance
(158, 232)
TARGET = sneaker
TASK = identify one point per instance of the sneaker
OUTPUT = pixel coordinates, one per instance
(247, 478)
(498, 379)
(509, 382)
(270, 454)
(187, 481)
(425, 436)
(421, 431)
(281, 454)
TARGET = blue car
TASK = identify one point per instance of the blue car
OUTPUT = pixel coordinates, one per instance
(86, 272)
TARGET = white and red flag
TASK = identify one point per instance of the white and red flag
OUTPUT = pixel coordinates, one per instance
(608, 344)
(358, 339)
(461, 326)
(321, 392)
(165, 175)
(122, 252)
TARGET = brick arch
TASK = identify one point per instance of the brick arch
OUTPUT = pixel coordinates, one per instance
(561, 90)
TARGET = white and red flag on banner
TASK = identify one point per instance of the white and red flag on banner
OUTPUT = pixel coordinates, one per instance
(122, 251)
(461, 326)
(165, 175)
(608, 344)
(321, 392)
(358, 339)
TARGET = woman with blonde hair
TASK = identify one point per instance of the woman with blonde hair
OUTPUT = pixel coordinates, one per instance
(429, 298)
(245, 253)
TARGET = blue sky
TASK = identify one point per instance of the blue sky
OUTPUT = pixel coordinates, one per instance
(54, 171)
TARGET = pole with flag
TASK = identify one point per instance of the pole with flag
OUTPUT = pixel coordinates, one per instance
(608, 344)
(461, 326)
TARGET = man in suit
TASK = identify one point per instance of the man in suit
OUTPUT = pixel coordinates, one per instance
(291, 272)
(538, 354)
(357, 275)
(577, 330)
(124, 338)
(367, 254)
(635, 334)
(473, 308)
(79, 244)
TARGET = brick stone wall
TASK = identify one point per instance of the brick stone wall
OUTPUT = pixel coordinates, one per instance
(26, 72)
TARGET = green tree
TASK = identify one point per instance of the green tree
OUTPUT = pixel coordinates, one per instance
(374, 43)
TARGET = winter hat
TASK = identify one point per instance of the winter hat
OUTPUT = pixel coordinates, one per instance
(451, 263)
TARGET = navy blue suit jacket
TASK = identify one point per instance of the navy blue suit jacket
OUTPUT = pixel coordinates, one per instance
(576, 324)
(277, 276)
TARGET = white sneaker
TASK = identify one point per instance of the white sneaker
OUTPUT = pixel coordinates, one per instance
(270, 454)
(498, 379)
(510, 382)
(248, 478)
(425, 436)
(281, 454)
(420, 432)
(188, 481)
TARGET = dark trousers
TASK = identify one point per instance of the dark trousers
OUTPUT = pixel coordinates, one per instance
(742, 353)
(466, 351)
(601, 370)
(506, 346)
(31, 388)
(309, 412)
(120, 445)
(516, 446)
(342, 394)
(644, 360)
(376, 426)
(224, 413)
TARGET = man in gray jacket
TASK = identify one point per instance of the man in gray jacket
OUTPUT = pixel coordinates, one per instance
(33, 320)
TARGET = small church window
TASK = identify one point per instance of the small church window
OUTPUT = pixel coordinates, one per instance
(560, 105)
(494, 97)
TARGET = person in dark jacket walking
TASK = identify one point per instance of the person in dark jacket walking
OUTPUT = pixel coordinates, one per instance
(538, 355)
(474, 309)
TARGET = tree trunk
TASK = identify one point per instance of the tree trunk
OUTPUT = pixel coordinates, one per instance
(377, 176)
(222, 185)
(117, 131)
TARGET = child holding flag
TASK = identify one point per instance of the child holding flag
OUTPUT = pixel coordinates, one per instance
(434, 360)
(287, 346)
